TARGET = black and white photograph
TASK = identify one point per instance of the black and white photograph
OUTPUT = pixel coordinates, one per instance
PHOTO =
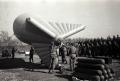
(59, 40)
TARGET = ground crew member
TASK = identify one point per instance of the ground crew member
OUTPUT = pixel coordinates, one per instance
(31, 55)
(64, 54)
(72, 57)
(54, 57)
(13, 52)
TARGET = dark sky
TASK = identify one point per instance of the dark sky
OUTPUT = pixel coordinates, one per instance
(102, 17)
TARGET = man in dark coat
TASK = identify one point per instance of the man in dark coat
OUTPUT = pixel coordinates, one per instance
(63, 53)
(13, 53)
(31, 54)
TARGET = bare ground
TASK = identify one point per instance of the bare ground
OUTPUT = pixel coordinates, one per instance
(18, 69)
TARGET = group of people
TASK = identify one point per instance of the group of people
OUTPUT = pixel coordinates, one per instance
(60, 49)
(109, 47)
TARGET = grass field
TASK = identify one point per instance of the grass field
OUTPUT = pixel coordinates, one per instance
(19, 69)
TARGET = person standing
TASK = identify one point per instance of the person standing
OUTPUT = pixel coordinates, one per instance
(31, 55)
(72, 57)
(54, 57)
(13, 53)
(64, 54)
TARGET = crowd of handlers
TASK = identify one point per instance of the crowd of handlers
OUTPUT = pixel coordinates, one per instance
(109, 47)
(60, 49)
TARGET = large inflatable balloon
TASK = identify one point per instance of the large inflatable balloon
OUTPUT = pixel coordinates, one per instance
(35, 31)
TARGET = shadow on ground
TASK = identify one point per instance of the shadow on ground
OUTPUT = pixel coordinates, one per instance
(69, 77)
(9, 63)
